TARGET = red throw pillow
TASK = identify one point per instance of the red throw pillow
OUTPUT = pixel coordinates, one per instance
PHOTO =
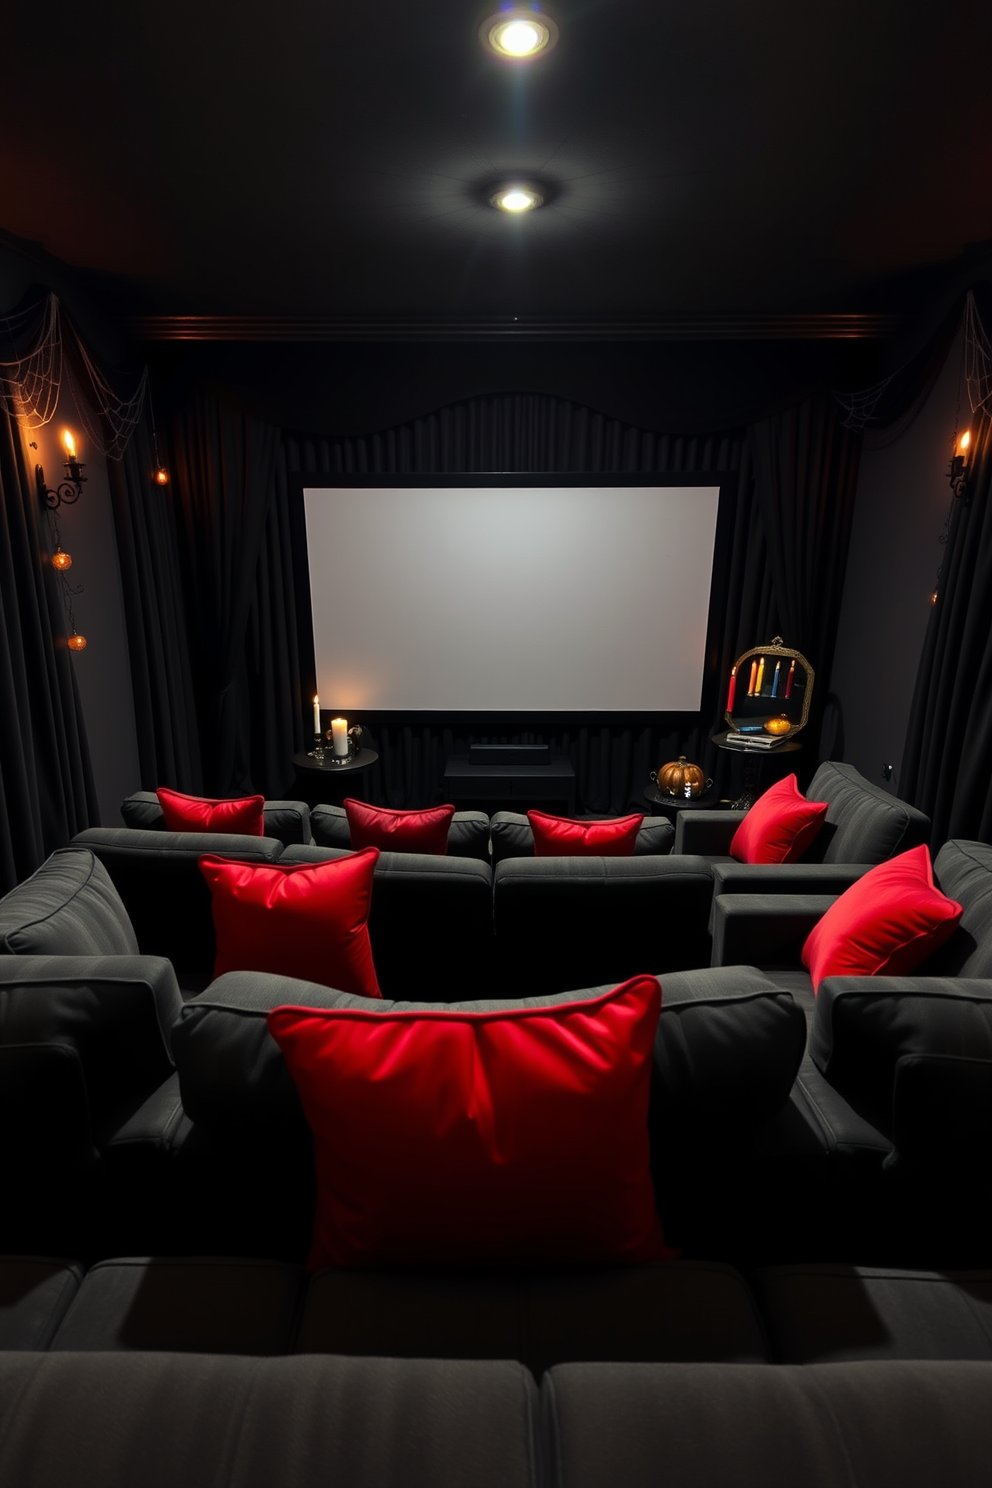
(200, 814)
(399, 831)
(307, 920)
(883, 925)
(779, 826)
(560, 837)
(452, 1137)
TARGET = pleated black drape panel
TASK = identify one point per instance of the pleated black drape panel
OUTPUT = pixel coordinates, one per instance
(947, 766)
(158, 647)
(46, 784)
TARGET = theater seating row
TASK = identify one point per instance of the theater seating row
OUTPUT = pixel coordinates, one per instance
(230, 1373)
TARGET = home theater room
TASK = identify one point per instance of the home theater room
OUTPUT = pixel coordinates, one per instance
(495, 804)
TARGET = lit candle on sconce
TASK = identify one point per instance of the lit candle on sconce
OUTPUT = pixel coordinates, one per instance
(316, 715)
(72, 465)
(339, 737)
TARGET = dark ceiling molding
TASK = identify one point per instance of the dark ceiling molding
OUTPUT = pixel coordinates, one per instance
(780, 327)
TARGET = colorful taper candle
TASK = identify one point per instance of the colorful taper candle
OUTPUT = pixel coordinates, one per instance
(754, 673)
(788, 680)
(778, 665)
(761, 676)
(731, 690)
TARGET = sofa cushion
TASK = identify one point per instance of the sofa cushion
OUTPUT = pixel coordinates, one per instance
(289, 821)
(464, 1137)
(779, 826)
(561, 837)
(303, 920)
(424, 831)
(863, 823)
(207, 814)
(34, 1294)
(964, 872)
(512, 836)
(884, 924)
(68, 907)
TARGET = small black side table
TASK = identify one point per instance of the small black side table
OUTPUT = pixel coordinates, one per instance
(755, 756)
(662, 804)
(315, 777)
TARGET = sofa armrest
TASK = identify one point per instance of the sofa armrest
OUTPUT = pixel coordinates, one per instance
(767, 930)
(786, 878)
(866, 1029)
(941, 1114)
(707, 833)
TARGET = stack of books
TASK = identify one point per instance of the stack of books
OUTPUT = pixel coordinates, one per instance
(759, 740)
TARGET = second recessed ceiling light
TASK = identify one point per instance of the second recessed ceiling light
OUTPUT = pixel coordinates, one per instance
(515, 197)
(518, 33)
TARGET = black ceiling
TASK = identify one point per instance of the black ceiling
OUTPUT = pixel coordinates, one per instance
(316, 159)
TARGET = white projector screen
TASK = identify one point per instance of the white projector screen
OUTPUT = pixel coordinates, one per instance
(510, 598)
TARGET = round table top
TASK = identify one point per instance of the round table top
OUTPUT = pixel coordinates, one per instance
(655, 797)
(327, 765)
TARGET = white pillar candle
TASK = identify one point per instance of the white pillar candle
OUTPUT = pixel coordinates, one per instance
(339, 734)
(316, 715)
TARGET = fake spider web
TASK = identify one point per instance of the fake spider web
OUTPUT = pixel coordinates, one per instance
(859, 407)
(30, 384)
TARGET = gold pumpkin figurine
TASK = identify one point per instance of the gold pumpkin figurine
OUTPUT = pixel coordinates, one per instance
(779, 725)
(679, 778)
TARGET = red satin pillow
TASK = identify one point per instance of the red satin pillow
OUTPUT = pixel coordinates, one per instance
(560, 837)
(883, 925)
(779, 826)
(201, 814)
(399, 831)
(308, 920)
(451, 1137)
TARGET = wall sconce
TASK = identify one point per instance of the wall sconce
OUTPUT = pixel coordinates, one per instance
(69, 490)
(957, 471)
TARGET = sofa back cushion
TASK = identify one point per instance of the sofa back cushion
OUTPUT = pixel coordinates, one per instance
(863, 823)
(289, 821)
(513, 837)
(468, 832)
(964, 872)
(157, 875)
(68, 907)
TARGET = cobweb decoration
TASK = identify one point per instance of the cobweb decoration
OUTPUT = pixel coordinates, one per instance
(977, 359)
(108, 418)
(30, 384)
(859, 407)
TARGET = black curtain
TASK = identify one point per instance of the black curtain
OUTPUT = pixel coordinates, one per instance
(224, 478)
(161, 678)
(46, 784)
(947, 766)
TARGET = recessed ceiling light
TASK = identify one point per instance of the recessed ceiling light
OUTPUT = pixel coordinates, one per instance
(518, 33)
(516, 197)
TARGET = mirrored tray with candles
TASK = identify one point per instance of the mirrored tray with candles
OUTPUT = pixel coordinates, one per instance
(769, 695)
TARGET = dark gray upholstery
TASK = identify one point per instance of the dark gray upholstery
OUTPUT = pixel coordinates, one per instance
(688, 1310)
(512, 836)
(168, 901)
(822, 1314)
(963, 871)
(34, 1294)
(201, 1305)
(468, 834)
(818, 1426)
(114, 1420)
(289, 821)
(68, 907)
(430, 923)
(766, 930)
(570, 922)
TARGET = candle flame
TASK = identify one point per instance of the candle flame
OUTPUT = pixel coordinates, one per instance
(316, 699)
(964, 441)
(69, 443)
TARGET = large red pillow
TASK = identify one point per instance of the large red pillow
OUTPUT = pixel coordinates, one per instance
(307, 920)
(423, 831)
(201, 814)
(452, 1137)
(885, 924)
(561, 837)
(779, 826)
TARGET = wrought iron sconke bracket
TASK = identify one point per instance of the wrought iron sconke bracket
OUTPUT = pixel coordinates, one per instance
(67, 492)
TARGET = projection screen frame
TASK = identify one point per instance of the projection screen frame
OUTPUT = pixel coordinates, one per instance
(508, 718)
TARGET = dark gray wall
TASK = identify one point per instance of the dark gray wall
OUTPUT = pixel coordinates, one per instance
(902, 502)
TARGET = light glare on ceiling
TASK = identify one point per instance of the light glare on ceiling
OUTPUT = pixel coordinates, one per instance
(518, 34)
